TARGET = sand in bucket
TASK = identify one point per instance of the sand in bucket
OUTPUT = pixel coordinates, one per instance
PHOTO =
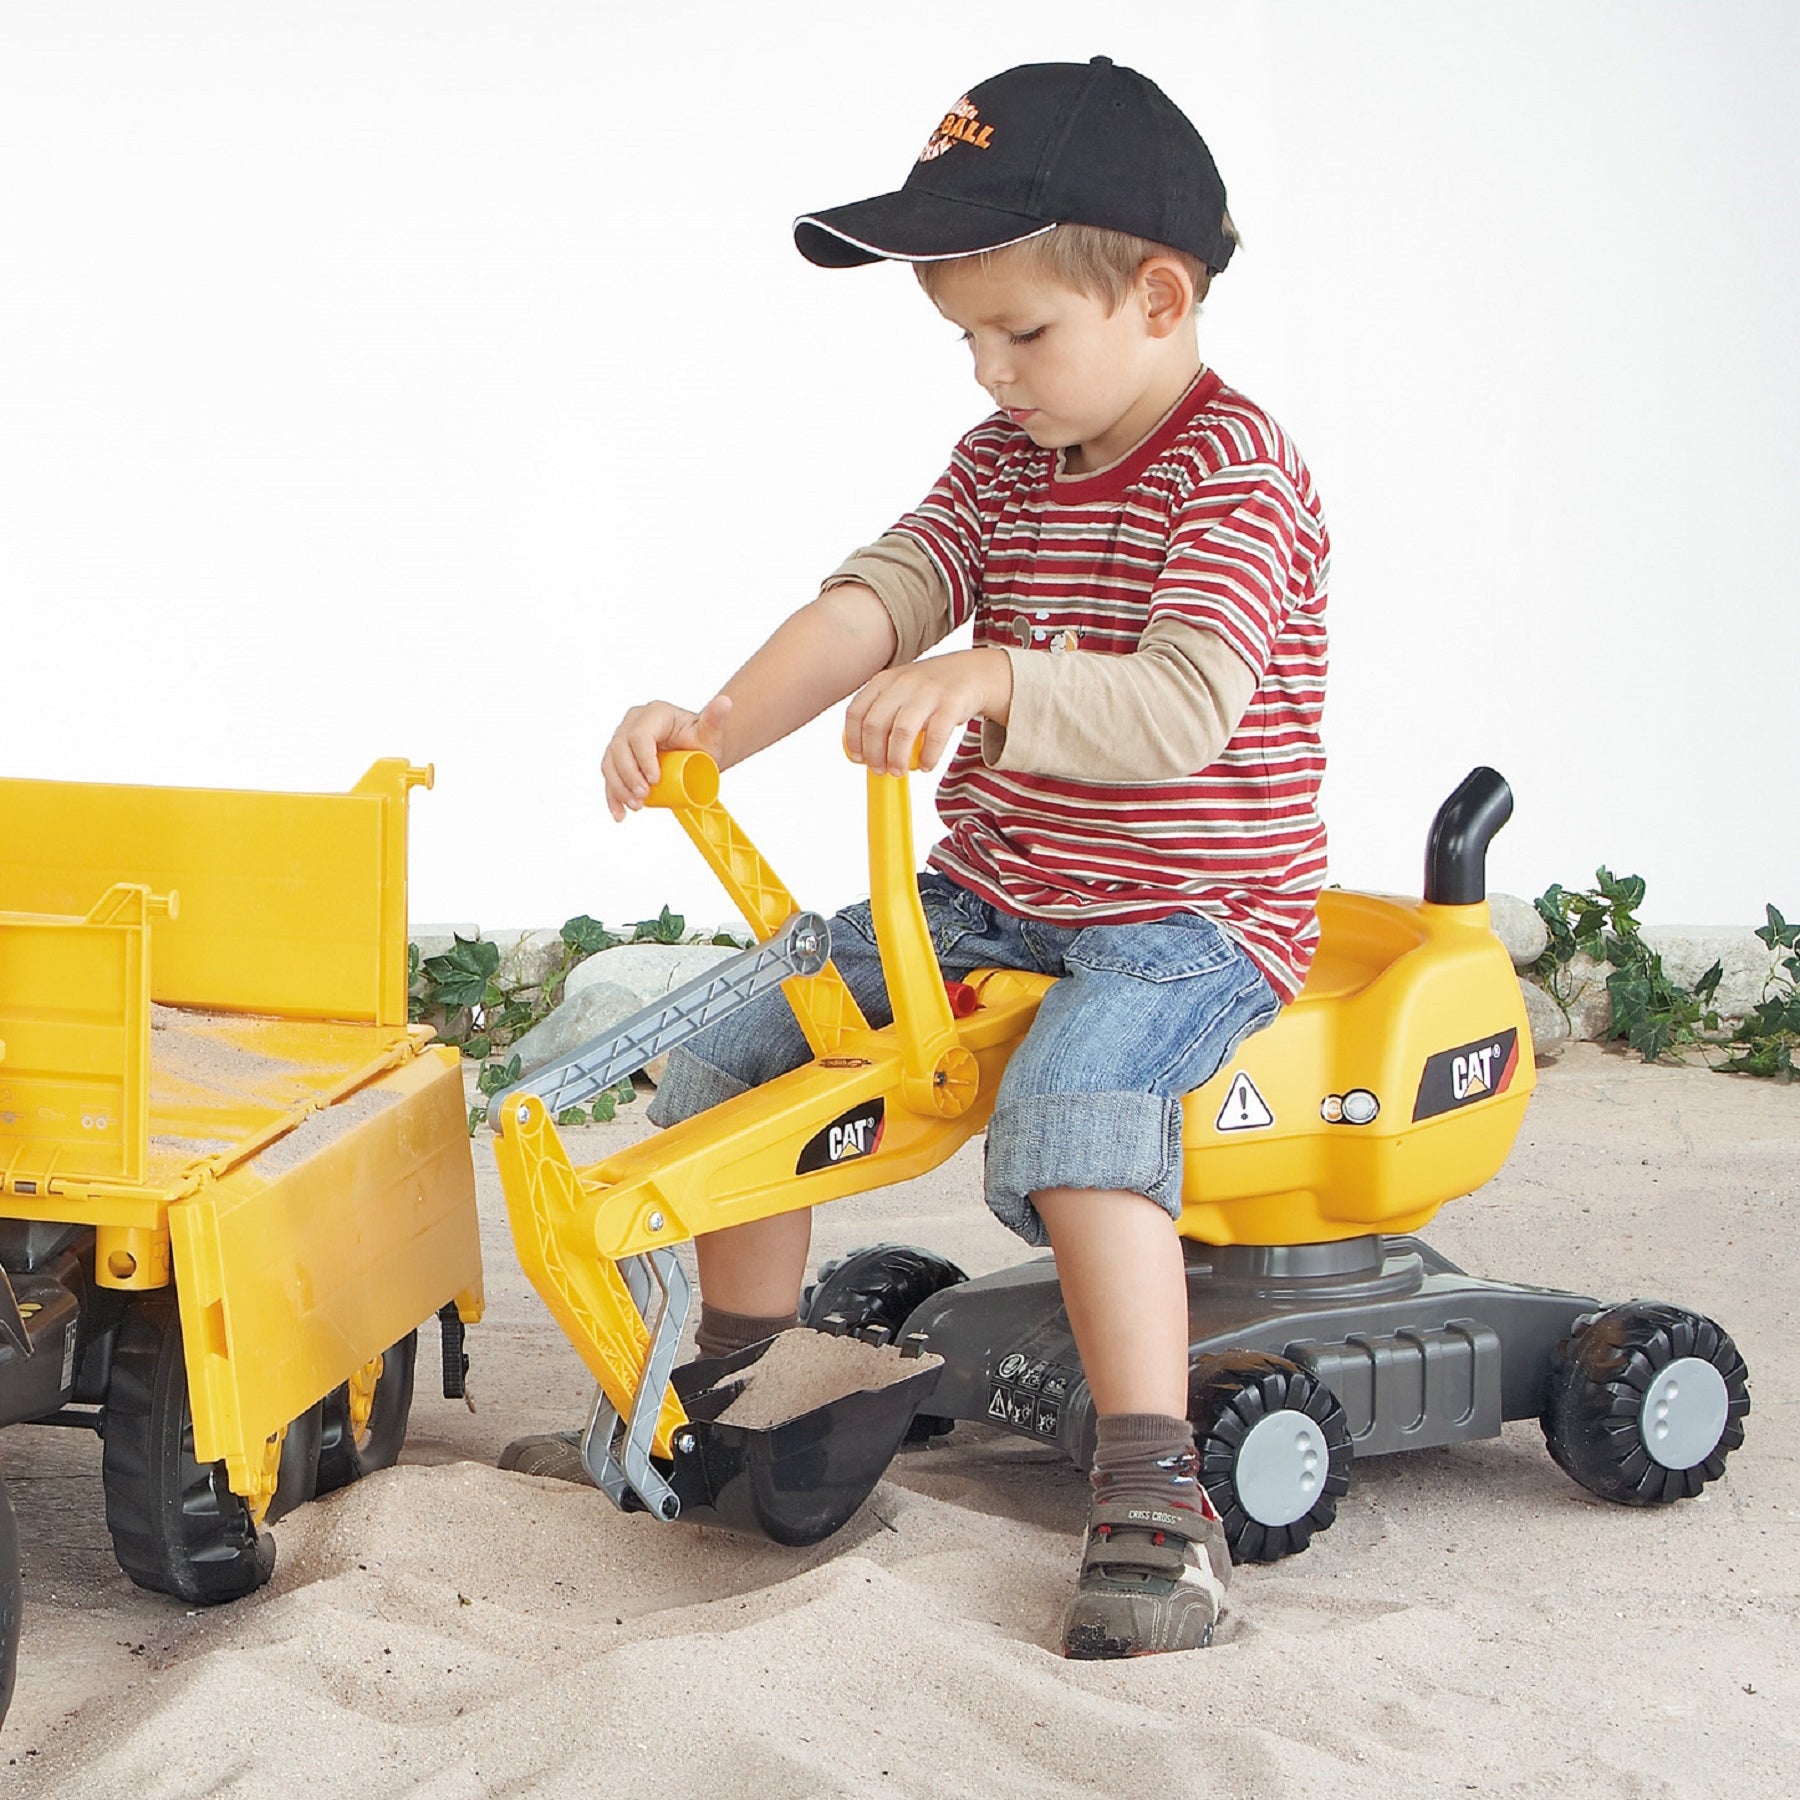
(803, 1370)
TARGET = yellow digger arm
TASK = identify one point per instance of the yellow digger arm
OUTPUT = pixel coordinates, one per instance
(594, 1241)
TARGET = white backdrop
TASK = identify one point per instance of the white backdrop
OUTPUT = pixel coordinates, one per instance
(437, 379)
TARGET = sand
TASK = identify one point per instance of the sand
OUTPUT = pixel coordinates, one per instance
(206, 1050)
(802, 1370)
(1474, 1623)
(322, 1127)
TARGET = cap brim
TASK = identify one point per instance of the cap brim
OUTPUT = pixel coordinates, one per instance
(908, 227)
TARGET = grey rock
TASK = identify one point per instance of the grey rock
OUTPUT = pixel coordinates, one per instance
(1518, 927)
(527, 958)
(1581, 988)
(1549, 1028)
(647, 970)
(597, 1008)
(1749, 966)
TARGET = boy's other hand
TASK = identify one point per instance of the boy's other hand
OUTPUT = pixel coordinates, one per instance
(634, 757)
(925, 704)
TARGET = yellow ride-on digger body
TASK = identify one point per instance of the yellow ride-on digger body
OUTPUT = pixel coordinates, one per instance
(1321, 1326)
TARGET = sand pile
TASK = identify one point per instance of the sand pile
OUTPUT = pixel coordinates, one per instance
(801, 1370)
(1473, 1623)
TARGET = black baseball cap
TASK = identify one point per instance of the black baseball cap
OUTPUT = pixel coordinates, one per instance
(1042, 145)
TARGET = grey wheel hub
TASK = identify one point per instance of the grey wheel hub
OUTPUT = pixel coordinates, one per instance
(1281, 1468)
(1684, 1412)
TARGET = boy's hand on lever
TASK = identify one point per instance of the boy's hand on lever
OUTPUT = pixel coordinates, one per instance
(925, 704)
(633, 758)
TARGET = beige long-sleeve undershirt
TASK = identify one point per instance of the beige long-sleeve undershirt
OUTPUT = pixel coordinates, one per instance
(1164, 711)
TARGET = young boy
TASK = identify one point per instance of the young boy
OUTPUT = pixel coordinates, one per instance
(1131, 804)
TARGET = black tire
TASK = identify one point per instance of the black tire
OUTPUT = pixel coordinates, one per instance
(177, 1527)
(347, 1454)
(1229, 1397)
(1618, 1404)
(10, 1602)
(881, 1287)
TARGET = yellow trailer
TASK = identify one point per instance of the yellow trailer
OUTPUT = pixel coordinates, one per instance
(234, 1179)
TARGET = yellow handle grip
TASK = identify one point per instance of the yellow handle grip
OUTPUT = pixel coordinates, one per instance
(938, 1077)
(918, 752)
(684, 778)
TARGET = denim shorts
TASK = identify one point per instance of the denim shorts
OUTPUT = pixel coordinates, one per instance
(1140, 1016)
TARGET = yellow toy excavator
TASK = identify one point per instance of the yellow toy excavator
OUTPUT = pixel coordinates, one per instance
(1321, 1327)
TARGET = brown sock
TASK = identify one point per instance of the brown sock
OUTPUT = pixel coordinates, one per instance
(721, 1333)
(1147, 1456)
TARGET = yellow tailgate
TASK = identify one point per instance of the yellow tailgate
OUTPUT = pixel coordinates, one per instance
(297, 1266)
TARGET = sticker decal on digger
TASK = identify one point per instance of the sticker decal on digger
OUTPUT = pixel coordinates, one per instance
(1466, 1074)
(1028, 1395)
(1245, 1109)
(850, 1135)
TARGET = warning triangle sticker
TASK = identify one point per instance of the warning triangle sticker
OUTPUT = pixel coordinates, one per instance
(1244, 1109)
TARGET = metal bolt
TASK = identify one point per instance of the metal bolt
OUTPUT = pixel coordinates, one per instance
(685, 1443)
(523, 1113)
(655, 1221)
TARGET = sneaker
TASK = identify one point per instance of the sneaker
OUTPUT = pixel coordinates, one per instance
(1153, 1578)
(555, 1455)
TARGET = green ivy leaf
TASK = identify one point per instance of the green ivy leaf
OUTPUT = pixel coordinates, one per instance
(572, 1115)
(477, 1047)
(1708, 984)
(461, 975)
(1778, 933)
(666, 928)
(587, 935)
(497, 1075)
(1622, 896)
(605, 1105)
(476, 1115)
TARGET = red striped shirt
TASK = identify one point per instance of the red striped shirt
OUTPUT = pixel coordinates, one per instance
(1212, 519)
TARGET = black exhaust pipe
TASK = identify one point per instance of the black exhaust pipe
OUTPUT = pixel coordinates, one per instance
(1456, 851)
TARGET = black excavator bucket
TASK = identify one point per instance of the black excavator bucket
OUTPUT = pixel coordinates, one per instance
(795, 1482)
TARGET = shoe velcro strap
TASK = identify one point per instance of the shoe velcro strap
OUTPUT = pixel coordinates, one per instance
(1129, 1534)
(1150, 1553)
(1125, 1513)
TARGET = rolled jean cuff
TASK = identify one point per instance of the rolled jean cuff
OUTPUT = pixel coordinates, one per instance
(1118, 1141)
(690, 1086)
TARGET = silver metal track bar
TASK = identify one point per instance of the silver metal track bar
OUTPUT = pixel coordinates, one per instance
(800, 947)
(619, 1461)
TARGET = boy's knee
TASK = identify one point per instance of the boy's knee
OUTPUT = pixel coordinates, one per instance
(1116, 1141)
